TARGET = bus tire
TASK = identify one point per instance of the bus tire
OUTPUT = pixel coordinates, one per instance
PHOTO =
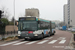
(53, 33)
(26, 39)
(42, 35)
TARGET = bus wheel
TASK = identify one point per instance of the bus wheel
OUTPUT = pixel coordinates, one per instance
(53, 33)
(26, 39)
(42, 36)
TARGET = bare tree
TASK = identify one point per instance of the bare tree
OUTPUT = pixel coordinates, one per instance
(6, 14)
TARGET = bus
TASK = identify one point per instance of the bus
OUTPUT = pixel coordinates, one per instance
(33, 28)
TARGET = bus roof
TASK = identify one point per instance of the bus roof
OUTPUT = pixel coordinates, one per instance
(43, 20)
(37, 19)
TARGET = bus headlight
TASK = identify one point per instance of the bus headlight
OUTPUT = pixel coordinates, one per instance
(35, 34)
(19, 32)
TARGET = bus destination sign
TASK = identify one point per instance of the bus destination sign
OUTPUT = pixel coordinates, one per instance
(27, 18)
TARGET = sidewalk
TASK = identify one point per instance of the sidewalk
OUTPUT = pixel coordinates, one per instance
(72, 43)
(1, 41)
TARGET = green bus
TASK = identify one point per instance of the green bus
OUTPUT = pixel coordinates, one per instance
(33, 28)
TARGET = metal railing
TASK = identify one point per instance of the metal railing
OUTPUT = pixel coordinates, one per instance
(8, 34)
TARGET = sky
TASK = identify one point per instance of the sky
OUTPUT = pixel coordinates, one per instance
(49, 9)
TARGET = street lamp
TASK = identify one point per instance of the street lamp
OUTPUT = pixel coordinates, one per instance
(14, 14)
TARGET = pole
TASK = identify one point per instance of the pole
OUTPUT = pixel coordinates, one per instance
(14, 14)
(50, 27)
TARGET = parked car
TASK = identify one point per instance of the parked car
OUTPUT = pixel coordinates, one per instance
(69, 29)
(73, 29)
(60, 28)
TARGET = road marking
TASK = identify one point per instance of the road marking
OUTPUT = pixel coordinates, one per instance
(31, 42)
(50, 38)
(53, 41)
(20, 43)
(61, 38)
(42, 42)
(9, 43)
(62, 41)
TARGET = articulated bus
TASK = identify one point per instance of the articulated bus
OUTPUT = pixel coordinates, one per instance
(33, 28)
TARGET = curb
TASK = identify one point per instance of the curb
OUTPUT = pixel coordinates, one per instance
(71, 43)
(8, 41)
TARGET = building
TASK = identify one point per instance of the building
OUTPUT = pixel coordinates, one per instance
(32, 12)
(66, 14)
(71, 12)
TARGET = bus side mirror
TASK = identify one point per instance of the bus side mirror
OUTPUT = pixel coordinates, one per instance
(38, 22)
(17, 23)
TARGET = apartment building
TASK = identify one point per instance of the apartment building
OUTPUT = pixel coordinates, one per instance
(32, 12)
(66, 14)
(71, 12)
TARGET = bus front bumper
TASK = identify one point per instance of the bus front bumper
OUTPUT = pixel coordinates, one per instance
(30, 36)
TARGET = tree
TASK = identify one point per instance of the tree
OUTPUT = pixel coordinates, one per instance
(11, 23)
(5, 21)
(6, 14)
(12, 20)
(3, 24)
(61, 24)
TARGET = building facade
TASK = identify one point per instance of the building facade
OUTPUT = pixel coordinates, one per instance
(31, 12)
(66, 14)
(71, 12)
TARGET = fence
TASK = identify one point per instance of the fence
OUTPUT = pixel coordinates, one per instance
(8, 34)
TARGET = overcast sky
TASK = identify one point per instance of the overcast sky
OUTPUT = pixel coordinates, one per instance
(49, 9)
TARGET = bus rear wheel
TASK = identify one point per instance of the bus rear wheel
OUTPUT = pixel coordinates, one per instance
(42, 36)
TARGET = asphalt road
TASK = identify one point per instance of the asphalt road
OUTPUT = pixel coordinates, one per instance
(59, 41)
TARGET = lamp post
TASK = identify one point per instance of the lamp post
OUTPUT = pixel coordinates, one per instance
(14, 14)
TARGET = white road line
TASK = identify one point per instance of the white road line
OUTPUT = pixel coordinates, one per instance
(20, 43)
(42, 42)
(50, 38)
(53, 41)
(9, 43)
(61, 38)
(31, 42)
(62, 41)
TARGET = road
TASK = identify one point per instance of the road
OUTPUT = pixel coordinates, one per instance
(59, 41)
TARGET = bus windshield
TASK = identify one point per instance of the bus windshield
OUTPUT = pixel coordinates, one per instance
(27, 25)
